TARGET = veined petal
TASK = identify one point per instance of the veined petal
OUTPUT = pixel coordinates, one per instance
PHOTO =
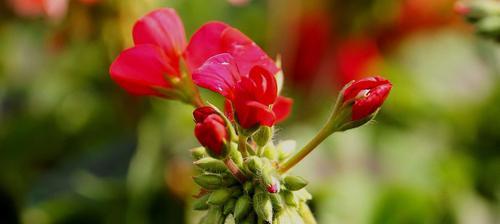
(215, 38)
(204, 44)
(141, 68)
(219, 74)
(282, 108)
(246, 52)
(162, 28)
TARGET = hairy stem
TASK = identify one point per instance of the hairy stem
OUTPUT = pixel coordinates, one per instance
(242, 145)
(233, 168)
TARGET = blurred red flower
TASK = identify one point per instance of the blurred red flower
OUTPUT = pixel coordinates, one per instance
(353, 59)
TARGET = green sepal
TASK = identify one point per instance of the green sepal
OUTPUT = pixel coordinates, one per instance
(294, 183)
(262, 206)
(211, 165)
(201, 203)
(242, 207)
(208, 181)
(229, 206)
(219, 197)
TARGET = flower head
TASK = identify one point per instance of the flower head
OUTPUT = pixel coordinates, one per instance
(253, 97)
(151, 67)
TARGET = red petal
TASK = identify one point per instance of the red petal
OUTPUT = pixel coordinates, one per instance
(282, 108)
(367, 83)
(140, 68)
(252, 113)
(204, 44)
(162, 28)
(366, 106)
(246, 52)
(267, 88)
(219, 74)
(201, 113)
(216, 38)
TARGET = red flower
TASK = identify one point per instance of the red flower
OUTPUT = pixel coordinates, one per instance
(154, 60)
(210, 129)
(368, 95)
(353, 58)
(253, 96)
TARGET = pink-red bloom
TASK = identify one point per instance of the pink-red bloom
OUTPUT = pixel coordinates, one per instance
(253, 96)
(368, 95)
(153, 63)
(210, 129)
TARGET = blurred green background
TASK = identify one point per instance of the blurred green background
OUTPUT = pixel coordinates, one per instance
(75, 148)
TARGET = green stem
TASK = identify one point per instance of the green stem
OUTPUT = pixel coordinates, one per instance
(242, 145)
(308, 148)
(233, 168)
(329, 128)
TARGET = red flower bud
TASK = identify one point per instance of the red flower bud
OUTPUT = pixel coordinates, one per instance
(210, 130)
(367, 94)
(273, 188)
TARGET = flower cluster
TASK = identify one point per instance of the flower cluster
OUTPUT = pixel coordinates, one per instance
(242, 172)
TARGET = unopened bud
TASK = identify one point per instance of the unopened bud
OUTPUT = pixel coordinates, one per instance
(262, 206)
(270, 152)
(201, 203)
(294, 183)
(242, 207)
(290, 198)
(276, 201)
(219, 197)
(263, 135)
(229, 206)
(254, 164)
(271, 183)
(198, 152)
(208, 181)
(214, 215)
(359, 102)
(211, 165)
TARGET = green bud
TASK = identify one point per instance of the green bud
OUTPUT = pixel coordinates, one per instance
(198, 153)
(229, 206)
(208, 181)
(294, 183)
(214, 216)
(235, 155)
(262, 206)
(270, 152)
(290, 198)
(276, 201)
(254, 164)
(263, 135)
(242, 207)
(248, 187)
(201, 203)
(219, 197)
(211, 165)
